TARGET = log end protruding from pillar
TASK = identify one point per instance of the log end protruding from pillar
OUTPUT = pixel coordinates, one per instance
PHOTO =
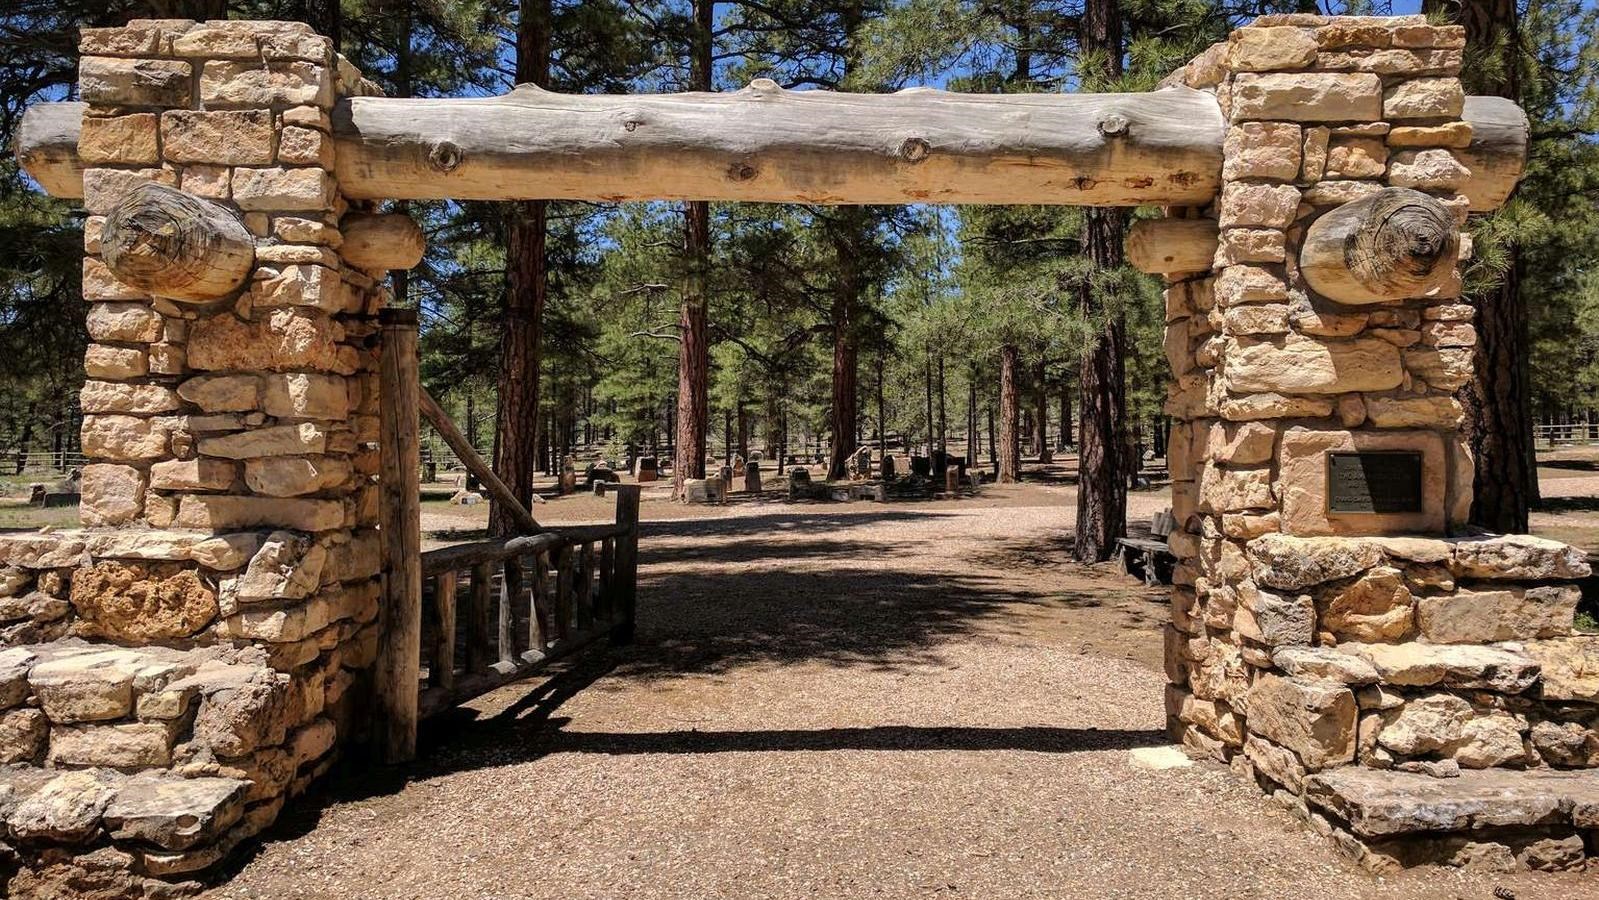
(1159, 246)
(1394, 244)
(176, 245)
(381, 241)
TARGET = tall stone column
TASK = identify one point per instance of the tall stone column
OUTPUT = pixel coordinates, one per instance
(1336, 634)
(210, 626)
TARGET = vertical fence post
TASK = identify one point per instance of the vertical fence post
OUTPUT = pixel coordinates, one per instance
(400, 648)
(626, 580)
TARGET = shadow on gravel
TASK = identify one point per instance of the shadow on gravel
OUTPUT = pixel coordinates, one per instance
(1036, 739)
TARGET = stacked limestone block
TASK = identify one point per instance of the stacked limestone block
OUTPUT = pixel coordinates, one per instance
(1400, 683)
(225, 580)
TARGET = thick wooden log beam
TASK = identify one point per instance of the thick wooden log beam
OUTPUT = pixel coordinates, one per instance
(1159, 246)
(381, 241)
(767, 144)
(1497, 155)
(176, 245)
(789, 146)
(399, 661)
(1391, 245)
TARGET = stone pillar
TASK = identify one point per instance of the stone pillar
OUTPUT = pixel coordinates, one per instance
(1336, 631)
(224, 584)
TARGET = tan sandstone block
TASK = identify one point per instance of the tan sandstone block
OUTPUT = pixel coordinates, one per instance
(282, 189)
(106, 361)
(253, 40)
(1428, 170)
(122, 397)
(129, 40)
(291, 476)
(1271, 405)
(133, 82)
(1446, 369)
(305, 146)
(112, 495)
(221, 512)
(1248, 284)
(1302, 482)
(1258, 205)
(222, 393)
(278, 84)
(240, 137)
(1376, 607)
(275, 340)
(1397, 61)
(129, 746)
(1269, 150)
(124, 437)
(1234, 490)
(1294, 364)
(1271, 49)
(1486, 616)
(1356, 158)
(306, 396)
(126, 140)
(1314, 719)
(278, 440)
(1450, 134)
(1424, 98)
(1243, 245)
(99, 284)
(1414, 412)
(192, 475)
(140, 602)
(1307, 97)
(1241, 444)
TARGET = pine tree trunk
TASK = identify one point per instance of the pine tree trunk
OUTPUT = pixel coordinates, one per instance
(971, 417)
(1041, 413)
(882, 414)
(1498, 420)
(1010, 446)
(1065, 419)
(1104, 458)
(521, 336)
(693, 366)
(927, 391)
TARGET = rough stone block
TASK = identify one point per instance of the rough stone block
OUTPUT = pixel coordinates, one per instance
(1518, 557)
(134, 745)
(174, 813)
(275, 340)
(1295, 364)
(119, 140)
(1428, 170)
(1314, 719)
(290, 476)
(282, 189)
(241, 137)
(1375, 607)
(1246, 205)
(141, 602)
(133, 82)
(123, 397)
(1450, 665)
(1307, 97)
(1267, 150)
(277, 84)
(1424, 98)
(1485, 616)
(124, 437)
(112, 494)
(106, 361)
(1271, 49)
(277, 440)
(224, 512)
(103, 189)
(99, 284)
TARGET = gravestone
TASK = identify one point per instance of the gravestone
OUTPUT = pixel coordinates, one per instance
(645, 470)
(752, 476)
(888, 467)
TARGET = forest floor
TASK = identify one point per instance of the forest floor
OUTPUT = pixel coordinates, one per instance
(837, 700)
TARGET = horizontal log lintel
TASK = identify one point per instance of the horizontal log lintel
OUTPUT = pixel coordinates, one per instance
(765, 144)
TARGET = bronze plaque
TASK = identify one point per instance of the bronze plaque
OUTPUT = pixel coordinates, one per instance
(1384, 481)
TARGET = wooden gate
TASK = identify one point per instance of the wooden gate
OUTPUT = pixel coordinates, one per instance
(460, 621)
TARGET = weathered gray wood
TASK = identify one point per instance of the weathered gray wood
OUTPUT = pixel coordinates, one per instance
(540, 633)
(176, 245)
(47, 146)
(398, 667)
(514, 612)
(463, 556)
(764, 143)
(442, 672)
(479, 642)
(474, 463)
(565, 609)
(804, 146)
(1158, 246)
(381, 240)
(1497, 155)
(1391, 245)
(627, 517)
(584, 598)
(435, 700)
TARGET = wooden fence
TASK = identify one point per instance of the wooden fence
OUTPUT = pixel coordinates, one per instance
(463, 620)
(497, 610)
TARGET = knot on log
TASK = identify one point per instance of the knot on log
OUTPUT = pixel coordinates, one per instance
(1392, 245)
(176, 245)
(914, 150)
(1113, 125)
(741, 171)
(445, 156)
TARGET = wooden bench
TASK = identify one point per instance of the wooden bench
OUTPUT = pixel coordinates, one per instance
(1145, 558)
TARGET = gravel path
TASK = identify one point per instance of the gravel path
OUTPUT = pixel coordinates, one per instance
(918, 700)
